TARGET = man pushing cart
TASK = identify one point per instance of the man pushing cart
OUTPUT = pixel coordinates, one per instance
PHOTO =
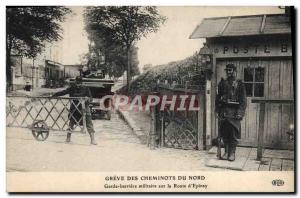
(75, 116)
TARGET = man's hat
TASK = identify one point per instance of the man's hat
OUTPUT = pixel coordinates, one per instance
(78, 79)
(230, 66)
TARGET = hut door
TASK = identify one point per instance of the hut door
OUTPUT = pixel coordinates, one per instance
(270, 79)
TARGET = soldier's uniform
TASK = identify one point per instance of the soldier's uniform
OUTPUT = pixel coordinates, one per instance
(75, 115)
(230, 107)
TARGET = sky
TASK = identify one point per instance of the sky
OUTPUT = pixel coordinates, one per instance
(170, 43)
(75, 42)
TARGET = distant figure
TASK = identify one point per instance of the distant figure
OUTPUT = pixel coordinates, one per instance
(51, 84)
(27, 87)
(230, 107)
(86, 72)
(77, 90)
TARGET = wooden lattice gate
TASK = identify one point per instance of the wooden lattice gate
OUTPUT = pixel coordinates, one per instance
(42, 114)
(180, 129)
(183, 129)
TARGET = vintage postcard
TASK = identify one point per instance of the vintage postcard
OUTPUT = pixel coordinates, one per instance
(150, 99)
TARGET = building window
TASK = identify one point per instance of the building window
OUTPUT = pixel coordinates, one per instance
(16, 62)
(254, 78)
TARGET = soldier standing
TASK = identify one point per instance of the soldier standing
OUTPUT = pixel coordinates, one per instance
(230, 107)
(75, 115)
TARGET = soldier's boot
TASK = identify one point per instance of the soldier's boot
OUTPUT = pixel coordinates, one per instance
(232, 149)
(68, 140)
(93, 141)
(225, 154)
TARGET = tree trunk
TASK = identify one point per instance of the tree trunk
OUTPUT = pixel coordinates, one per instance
(128, 69)
(8, 66)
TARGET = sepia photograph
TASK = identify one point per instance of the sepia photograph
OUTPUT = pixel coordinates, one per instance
(150, 98)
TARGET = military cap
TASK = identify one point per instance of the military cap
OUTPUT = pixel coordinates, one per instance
(78, 79)
(230, 66)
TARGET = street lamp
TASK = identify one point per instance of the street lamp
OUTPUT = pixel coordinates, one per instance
(206, 59)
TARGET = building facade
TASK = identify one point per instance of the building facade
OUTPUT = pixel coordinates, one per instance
(36, 72)
(27, 72)
(54, 74)
(261, 48)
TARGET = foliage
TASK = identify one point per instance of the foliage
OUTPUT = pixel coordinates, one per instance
(117, 28)
(29, 27)
(113, 53)
(188, 73)
(126, 24)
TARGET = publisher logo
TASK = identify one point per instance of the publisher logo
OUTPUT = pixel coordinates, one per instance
(277, 182)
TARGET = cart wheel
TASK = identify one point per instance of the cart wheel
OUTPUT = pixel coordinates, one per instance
(40, 130)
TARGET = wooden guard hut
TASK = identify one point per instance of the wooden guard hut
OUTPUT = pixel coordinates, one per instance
(261, 48)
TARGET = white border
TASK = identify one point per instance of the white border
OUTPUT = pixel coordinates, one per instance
(3, 3)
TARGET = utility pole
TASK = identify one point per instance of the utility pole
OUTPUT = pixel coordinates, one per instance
(32, 73)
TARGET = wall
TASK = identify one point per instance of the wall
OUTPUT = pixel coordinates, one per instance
(251, 46)
(29, 71)
(273, 53)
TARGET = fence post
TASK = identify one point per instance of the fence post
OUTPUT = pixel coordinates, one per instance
(201, 122)
(153, 128)
(162, 129)
(83, 102)
(260, 140)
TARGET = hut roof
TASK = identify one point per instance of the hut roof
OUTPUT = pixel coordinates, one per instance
(243, 26)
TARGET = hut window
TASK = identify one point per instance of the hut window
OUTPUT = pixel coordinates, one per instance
(254, 81)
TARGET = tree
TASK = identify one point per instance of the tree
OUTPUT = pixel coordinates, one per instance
(126, 24)
(28, 28)
(103, 46)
